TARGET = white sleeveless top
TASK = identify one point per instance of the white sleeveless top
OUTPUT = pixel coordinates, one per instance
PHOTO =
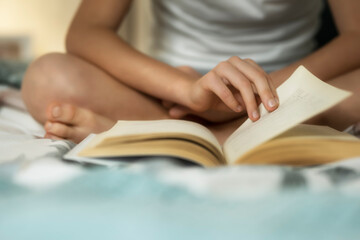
(201, 33)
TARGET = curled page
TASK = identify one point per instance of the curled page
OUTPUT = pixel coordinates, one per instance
(301, 97)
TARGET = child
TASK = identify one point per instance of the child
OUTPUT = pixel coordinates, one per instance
(101, 78)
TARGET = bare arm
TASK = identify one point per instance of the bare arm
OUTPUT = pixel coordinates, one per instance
(339, 56)
(92, 36)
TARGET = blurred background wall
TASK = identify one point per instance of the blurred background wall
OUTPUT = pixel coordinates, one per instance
(30, 28)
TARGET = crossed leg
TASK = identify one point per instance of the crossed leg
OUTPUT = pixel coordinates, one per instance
(55, 83)
(68, 79)
(73, 98)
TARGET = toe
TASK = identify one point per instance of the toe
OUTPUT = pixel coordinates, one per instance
(49, 136)
(49, 110)
(64, 113)
(59, 130)
(66, 121)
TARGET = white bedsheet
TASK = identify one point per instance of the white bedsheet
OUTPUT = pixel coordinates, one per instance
(38, 160)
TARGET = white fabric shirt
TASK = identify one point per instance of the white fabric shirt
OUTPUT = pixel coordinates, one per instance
(201, 33)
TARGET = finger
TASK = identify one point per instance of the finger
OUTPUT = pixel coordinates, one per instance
(271, 84)
(242, 84)
(237, 96)
(167, 104)
(178, 112)
(254, 64)
(222, 107)
(273, 88)
(239, 99)
(226, 82)
(260, 79)
(216, 85)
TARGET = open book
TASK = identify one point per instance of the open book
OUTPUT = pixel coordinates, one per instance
(276, 138)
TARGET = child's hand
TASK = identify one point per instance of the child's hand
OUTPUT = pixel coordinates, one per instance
(179, 111)
(245, 77)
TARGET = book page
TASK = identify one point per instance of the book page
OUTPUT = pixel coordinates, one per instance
(176, 148)
(301, 97)
(165, 127)
(72, 155)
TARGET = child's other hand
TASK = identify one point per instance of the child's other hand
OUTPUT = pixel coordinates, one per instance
(236, 83)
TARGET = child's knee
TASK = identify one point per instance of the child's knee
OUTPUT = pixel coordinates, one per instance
(49, 75)
(44, 81)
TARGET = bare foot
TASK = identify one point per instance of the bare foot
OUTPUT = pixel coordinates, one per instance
(66, 121)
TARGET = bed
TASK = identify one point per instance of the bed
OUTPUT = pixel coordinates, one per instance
(44, 197)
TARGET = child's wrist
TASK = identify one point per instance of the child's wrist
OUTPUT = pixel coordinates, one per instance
(182, 90)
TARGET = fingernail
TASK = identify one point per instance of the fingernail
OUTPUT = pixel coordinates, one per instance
(48, 126)
(56, 112)
(239, 108)
(272, 103)
(255, 114)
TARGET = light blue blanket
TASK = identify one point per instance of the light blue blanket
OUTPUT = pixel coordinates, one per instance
(118, 204)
